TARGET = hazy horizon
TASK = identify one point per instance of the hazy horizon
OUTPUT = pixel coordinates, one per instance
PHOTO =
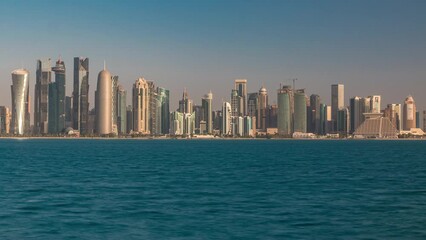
(372, 47)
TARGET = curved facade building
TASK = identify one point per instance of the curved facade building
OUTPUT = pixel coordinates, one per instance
(284, 118)
(409, 113)
(104, 103)
(20, 102)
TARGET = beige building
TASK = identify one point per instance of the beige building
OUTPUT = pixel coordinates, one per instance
(141, 102)
(409, 114)
(5, 117)
(103, 103)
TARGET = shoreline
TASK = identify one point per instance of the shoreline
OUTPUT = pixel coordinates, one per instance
(213, 138)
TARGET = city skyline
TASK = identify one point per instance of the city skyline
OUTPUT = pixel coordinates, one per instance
(363, 45)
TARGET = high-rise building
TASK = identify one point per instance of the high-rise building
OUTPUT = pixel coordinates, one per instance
(409, 114)
(252, 104)
(285, 115)
(129, 118)
(5, 117)
(343, 121)
(68, 112)
(176, 123)
(114, 93)
(80, 94)
(323, 119)
(206, 103)
(337, 101)
(91, 121)
(394, 113)
(417, 119)
(356, 114)
(375, 103)
(313, 114)
(424, 121)
(198, 111)
(121, 104)
(57, 114)
(237, 103)
(359, 106)
(300, 111)
(248, 128)
(186, 104)
(20, 102)
(103, 103)
(141, 101)
(271, 116)
(41, 96)
(153, 109)
(241, 87)
(262, 109)
(164, 100)
(226, 119)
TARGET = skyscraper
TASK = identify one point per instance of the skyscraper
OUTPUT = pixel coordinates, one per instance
(141, 106)
(68, 112)
(343, 121)
(20, 102)
(226, 119)
(186, 104)
(103, 103)
(337, 101)
(355, 113)
(4, 120)
(299, 111)
(241, 87)
(375, 103)
(314, 114)
(262, 109)
(81, 94)
(409, 113)
(252, 104)
(129, 118)
(206, 103)
(114, 81)
(394, 113)
(121, 104)
(285, 102)
(237, 103)
(41, 95)
(57, 99)
(424, 121)
(164, 99)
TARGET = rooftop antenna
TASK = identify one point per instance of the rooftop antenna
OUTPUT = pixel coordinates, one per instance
(104, 64)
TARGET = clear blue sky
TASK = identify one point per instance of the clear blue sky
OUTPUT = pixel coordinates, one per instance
(373, 47)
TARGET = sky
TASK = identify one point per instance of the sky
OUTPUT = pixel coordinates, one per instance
(374, 47)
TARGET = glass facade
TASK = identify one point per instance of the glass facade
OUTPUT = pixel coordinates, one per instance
(81, 94)
(20, 102)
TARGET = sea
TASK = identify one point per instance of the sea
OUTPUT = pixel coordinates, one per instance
(212, 189)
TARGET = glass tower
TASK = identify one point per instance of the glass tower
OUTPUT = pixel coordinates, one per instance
(20, 102)
(41, 95)
(57, 99)
(81, 94)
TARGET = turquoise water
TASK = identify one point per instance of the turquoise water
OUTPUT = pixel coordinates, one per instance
(212, 189)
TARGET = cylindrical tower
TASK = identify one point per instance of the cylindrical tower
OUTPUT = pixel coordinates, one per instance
(409, 113)
(20, 102)
(104, 103)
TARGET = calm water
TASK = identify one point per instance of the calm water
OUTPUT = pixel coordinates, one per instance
(180, 189)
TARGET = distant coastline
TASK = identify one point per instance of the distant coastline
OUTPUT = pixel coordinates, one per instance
(213, 138)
